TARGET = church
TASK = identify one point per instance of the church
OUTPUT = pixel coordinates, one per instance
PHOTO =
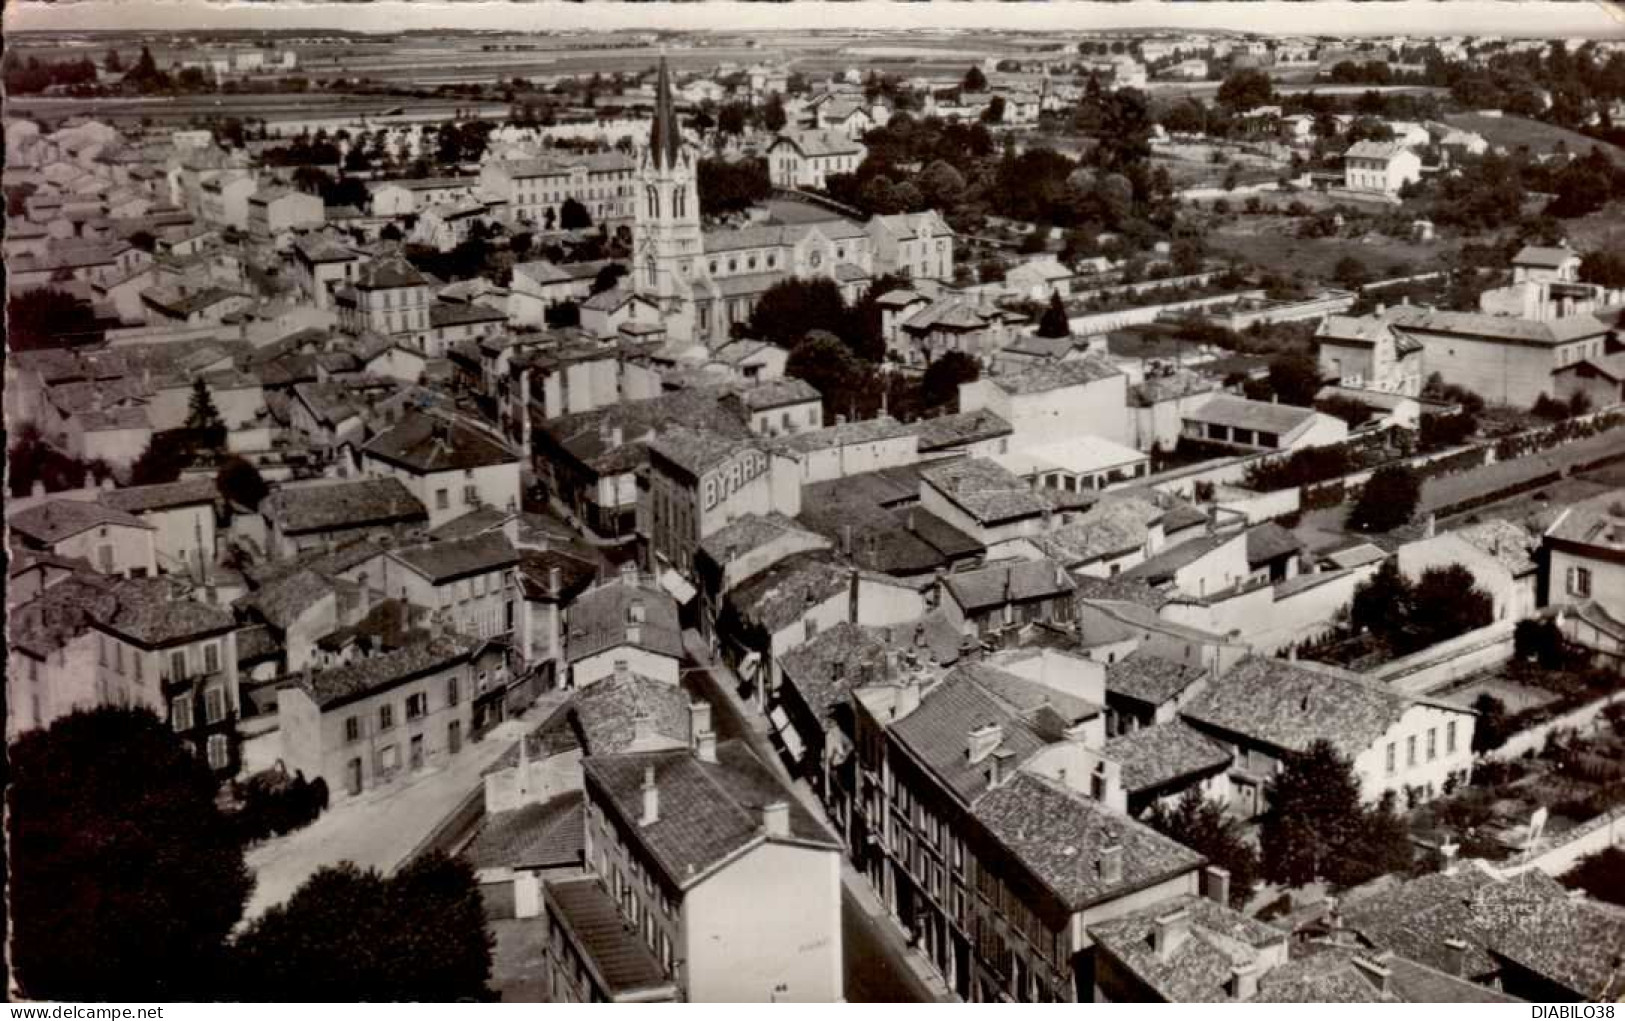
(705, 281)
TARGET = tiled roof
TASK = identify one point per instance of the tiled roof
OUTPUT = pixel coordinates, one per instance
(1056, 375)
(388, 272)
(618, 955)
(999, 584)
(1268, 541)
(622, 711)
(1324, 976)
(747, 533)
(1150, 679)
(343, 504)
(1241, 413)
(1048, 709)
(1197, 970)
(443, 314)
(535, 574)
(1548, 256)
(826, 669)
(780, 595)
(709, 812)
(389, 625)
(1154, 756)
(843, 435)
(1058, 836)
(1364, 330)
(600, 616)
(1112, 527)
(50, 522)
(961, 429)
(1288, 706)
(284, 600)
(938, 733)
(164, 495)
(539, 835)
(1578, 946)
(989, 493)
(778, 393)
(449, 559)
(57, 615)
(155, 612)
(1373, 150)
(424, 443)
(1509, 543)
(1598, 521)
(256, 642)
(696, 450)
(1357, 555)
(1491, 327)
(360, 678)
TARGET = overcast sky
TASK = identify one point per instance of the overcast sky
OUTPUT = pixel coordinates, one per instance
(1596, 18)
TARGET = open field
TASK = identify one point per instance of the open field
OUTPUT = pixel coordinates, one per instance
(1267, 242)
(1539, 136)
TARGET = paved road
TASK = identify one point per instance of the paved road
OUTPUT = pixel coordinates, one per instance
(878, 967)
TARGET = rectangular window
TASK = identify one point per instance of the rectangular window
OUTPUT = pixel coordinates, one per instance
(180, 714)
(218, 751)
(386, 716)
(211, 657)
(118, 658)
(1580, 582)
(417, 706)
(352, 729)
(1433, 743)
(1391, 756)
(1450, 738)
(214, 705)
(442, 499)
(177, 665)
(1410, 750)
(451, 691)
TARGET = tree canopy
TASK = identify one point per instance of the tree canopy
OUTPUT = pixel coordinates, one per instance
(793, 307)
(732, 186)
(1054, 323)
(1389, 499)
(1205, 827)
(125, 877)
(1317, 829)
(1246, 89)
(939, 387)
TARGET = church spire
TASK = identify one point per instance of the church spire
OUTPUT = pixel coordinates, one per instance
(663, 137)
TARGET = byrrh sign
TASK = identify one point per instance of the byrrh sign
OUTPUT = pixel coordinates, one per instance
(731, 477)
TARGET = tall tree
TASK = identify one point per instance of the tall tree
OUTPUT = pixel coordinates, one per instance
(1205, 827)
(1244, 90)
(574, 216)
(239, 481)
(792, 308)
(939, 386)
(353, 935)
(1388, 500)
(1314, 815)
(125, 876)
(773, 116)
(201, 413)
(974, 80)
(848, 384)
(1295, 378)
(1054, 323)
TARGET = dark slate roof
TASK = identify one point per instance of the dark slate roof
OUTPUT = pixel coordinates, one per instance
(1289, 706)
(1150, 679)
(390, 624)
(776, 597)
(1155, 756)
(535, 574)
(136, 499)
(1198, 970)
(450, 559)
(1058, 835)
(957, 430)
(57, 615)
(388, 272)
(256, 642)
(50, 522)
(600, 616)
(619, 956)
(344, 504)
(155, 612)
(542, 835)
(457, 313)
(343, 684)
(709, 812)
(1017, 582)
(426, 443)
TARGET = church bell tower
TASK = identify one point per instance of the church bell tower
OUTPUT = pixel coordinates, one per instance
(668, 248)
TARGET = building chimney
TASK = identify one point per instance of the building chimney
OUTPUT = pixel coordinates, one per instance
(1216, 884)
(908, 699)
(705, 747)
(621, 670)
(1431, 527)
(1169, 932)
(629, 572)
(1111, 863)
(983, 740)
(1244, 982)
(651, 798)
(1375, 971)
(998, 769)
(846, 540)
(1448, 851)
(1455, 957)
(776, 818)
(699, 721)
(970, 649)
(614, 436)
(555, 581)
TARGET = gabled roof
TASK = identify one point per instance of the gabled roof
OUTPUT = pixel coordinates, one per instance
(1219, 940)
(341, 685)
(50, 522)
(1268, 541)
(1241, 413)
(1155, 756)
(1057, 375)
(1151, 679)
(937, 734)
(1498, 328)
(999, 584)
(780, 595)
(710, 813)
(618, 956)
(600, 617)
(162, 496)
(1058, 836)
(449, 559)
(988, 492)
(1545, 256)
(422, 444)
(344, 504)
(154, 612)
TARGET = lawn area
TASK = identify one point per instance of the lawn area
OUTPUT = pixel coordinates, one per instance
(1539, 136)
(1269, 243)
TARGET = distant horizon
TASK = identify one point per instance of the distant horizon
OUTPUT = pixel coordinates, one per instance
(1523, 18)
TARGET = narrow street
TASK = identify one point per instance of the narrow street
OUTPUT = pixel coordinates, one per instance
(879, 966)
